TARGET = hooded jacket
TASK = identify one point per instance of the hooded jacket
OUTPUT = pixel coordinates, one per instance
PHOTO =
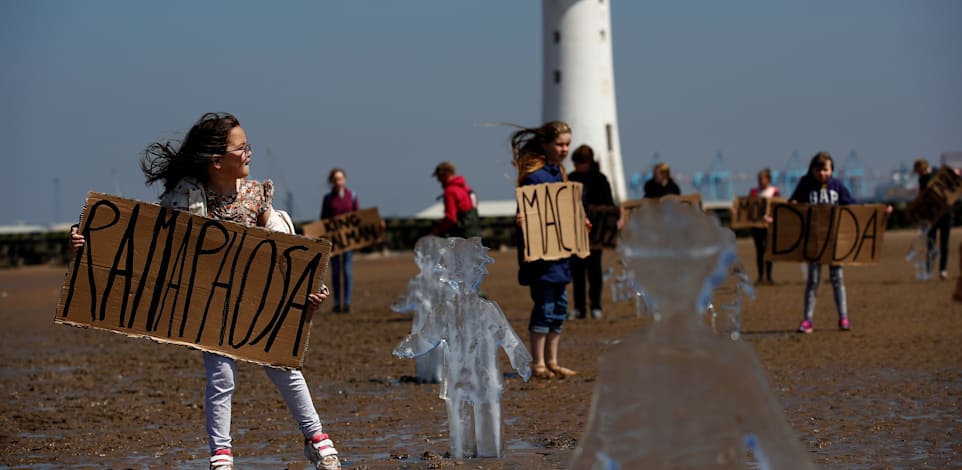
(460, 210)
(811, 191)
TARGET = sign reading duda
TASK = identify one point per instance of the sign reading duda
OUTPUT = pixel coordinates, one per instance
(349, 231)
(554, 221)
(150, 271)
(826, 234)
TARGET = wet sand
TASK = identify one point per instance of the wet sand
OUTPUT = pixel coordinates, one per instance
(886, 395)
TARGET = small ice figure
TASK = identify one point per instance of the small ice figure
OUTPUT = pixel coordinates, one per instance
(473, 330)
(922, 254)
(425, 290)
(727, 299)
(676, 395)
(625, 288)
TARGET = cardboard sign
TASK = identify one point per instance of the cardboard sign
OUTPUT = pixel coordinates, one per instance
(826, 234)
(349, 231)
(164, 274)
(693, 199)
(937, 197)
(554, 221)
(750, 212)
(604, 226)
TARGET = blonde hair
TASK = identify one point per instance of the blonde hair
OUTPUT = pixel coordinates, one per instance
(662, 168)
(527, 147)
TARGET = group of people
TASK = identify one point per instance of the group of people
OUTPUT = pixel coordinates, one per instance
(207, 174)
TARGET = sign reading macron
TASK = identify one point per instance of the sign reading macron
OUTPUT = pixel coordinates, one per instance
(174, 277)
(554, 221)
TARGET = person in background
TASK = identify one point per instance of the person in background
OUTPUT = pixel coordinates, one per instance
(207, 176)
(340, 200)
(940, 227)
(538, 154)
(596, 192)
(819, 187)
(765, 189)
(460, 205)
(661, 183)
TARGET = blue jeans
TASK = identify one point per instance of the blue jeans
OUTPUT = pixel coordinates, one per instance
(811, 286)
(550, 307)
(221, 379)
(342, 263)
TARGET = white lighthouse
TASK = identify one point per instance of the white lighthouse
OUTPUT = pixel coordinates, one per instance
(579, 83)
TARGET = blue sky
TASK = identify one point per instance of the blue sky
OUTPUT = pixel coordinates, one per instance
(387, 89)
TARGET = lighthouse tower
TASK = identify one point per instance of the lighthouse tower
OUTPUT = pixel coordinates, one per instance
(579, 83)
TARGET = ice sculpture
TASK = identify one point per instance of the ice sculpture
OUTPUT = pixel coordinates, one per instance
(473, 330)
(922, 253)
(676, 395)
(425, 290)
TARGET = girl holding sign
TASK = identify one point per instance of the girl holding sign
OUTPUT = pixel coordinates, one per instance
(337, 202)
(537, 155)
(819, 187)
(768, 190)
(207, 175)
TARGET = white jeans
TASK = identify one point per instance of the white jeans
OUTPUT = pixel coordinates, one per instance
(221, 379)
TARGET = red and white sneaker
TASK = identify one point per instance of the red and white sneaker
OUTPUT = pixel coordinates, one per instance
(222, 460)
(806, 327)
(844, 325)
(321, 452)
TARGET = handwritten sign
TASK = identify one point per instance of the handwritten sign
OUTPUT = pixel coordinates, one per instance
(554, 221)
(164, 274)
(692, 199)
(937, 197)
(842, 235)
(349, 231)
(750, 212)
(604, 226)
(958, 283)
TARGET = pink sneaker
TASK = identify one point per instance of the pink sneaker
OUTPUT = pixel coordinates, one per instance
(222, 460)
(321, 452)
(844, 325)
(806, 327)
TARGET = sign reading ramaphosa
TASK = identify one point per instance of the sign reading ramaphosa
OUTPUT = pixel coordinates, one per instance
(349, 231)
(827, 234)
(554, 221)
(937, 197)
(150, 271)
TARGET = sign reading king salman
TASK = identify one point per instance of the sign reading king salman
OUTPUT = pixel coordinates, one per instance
(351, 231)
(554, 221)
(173, 277)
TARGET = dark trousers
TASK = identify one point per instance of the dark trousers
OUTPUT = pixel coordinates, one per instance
(760, 235)
(942, 226)
(591, 264)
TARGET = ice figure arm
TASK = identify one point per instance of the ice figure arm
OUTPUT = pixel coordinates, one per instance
(517, 353)
(416, 345)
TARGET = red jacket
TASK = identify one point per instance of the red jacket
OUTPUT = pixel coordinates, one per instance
(457, 198)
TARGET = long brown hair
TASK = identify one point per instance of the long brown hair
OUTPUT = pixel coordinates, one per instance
(819, 161)
(205, 142)
(527, 147)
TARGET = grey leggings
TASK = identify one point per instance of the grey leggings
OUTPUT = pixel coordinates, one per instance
(811, 286)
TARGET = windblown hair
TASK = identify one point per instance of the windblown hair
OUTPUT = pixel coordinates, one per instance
(527, 147)
(205, 142)
(819, 161)
(766, 173)
(921, 166)
(334, 172)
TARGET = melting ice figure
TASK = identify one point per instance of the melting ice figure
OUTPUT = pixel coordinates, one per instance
(624, 288)
(425, 290)
(473, 330)
(922, 254)
(677, 395)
